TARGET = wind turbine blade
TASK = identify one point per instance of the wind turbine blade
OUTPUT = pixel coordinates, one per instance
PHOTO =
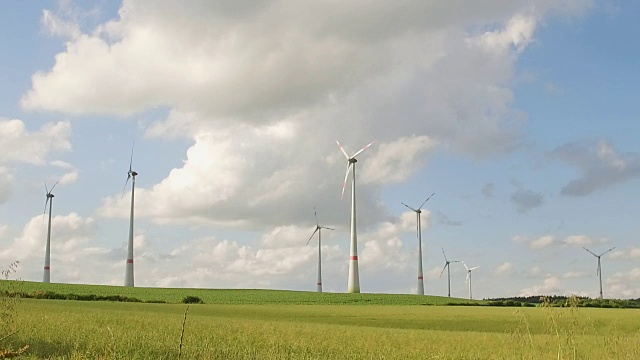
(363, 149)
(341, 149)
(346, 176)
(590, 251)
(125, 183)
(473, 268)
(468, 273)
(426, 201)
(45, 210)
(408, 206)
(54, 185)
(607, 251)
(46, 191)
(465, 266)
(45, 206)
(445, 255)
(131, 158)
(311, 237)
(441, 272)
(315, 214)
(328, 228)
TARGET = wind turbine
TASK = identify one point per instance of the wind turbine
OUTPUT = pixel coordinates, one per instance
(599, 271)
(47, 252)
(128, 276)
(469, 277)
(447, 266)
(419, 230)
(353, 285)
(319, 231)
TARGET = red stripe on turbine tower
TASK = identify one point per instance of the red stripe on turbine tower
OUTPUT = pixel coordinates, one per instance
(129, 261)
(47, 268)
(354, 257)
(420, 278)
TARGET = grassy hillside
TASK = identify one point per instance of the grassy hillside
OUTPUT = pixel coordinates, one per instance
(230, 296)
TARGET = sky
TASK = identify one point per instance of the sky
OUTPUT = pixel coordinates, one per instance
(521, 117)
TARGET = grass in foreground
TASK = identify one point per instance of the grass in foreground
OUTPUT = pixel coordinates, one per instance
(104, 330)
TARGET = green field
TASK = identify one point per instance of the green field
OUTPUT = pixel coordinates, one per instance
(231, 296)
(258, 328)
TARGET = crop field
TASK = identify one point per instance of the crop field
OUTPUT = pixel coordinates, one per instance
(60, 329)
(300, 328)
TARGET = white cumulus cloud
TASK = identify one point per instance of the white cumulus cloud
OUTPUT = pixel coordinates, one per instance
(264, 93)
(551, 285)
(17, 144)
(504, 268)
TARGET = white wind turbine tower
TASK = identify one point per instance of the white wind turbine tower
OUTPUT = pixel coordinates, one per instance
(319, 231)
(447, 266)
(128, 276)
(47, 252)
(420, 290)
(599, 271)
(469, 270)
(353, 285)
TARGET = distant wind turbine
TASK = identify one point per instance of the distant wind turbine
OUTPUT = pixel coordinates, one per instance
(419, 230)
(128, 276)
(353, 285)
(319, 231)
(447, 263)
(47, 252)
(599, 271)
(469, 270)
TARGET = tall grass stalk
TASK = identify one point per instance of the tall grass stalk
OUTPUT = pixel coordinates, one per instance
(184, 322)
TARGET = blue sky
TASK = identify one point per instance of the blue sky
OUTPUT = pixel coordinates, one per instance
(519, 115)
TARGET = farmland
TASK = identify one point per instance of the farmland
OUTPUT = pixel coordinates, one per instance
(338, 326)
(229, 296)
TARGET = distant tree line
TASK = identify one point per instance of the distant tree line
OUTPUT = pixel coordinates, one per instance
(89, 297)
(564, 301)
(79, 297)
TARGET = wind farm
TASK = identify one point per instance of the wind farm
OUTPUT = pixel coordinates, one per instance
(353, 283)
(234, 172)
(523, 123)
